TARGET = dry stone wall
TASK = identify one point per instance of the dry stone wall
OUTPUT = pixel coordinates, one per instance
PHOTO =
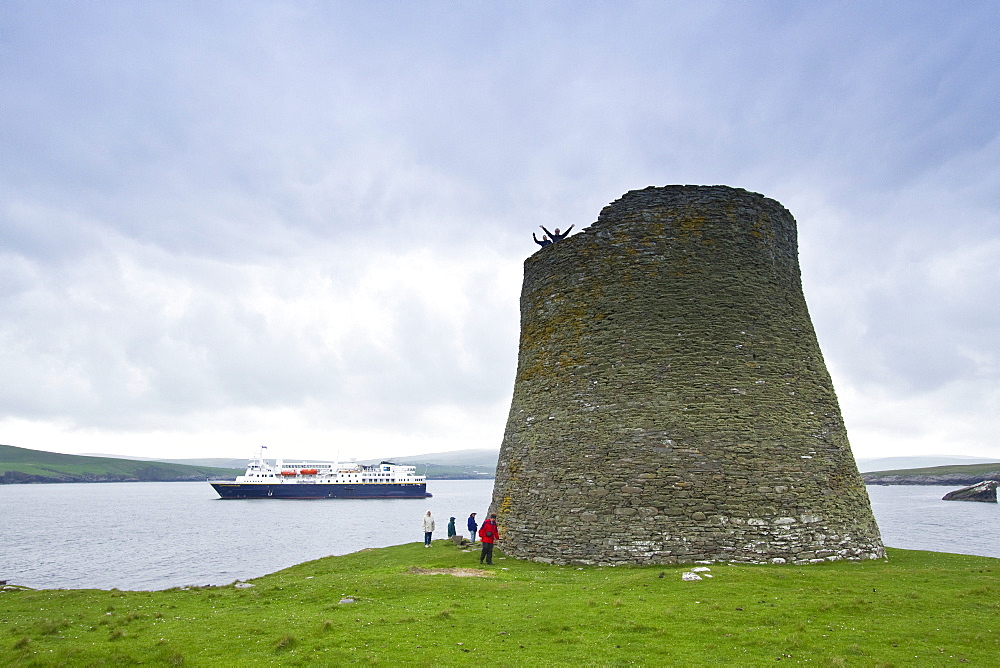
(671, 401)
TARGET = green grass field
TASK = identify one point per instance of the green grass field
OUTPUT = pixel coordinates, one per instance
(917, 608)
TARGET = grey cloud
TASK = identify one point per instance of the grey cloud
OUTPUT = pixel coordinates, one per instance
(190, 186)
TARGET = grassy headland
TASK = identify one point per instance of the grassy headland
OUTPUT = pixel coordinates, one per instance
(917, 608)
(21, 465)
(956, 474)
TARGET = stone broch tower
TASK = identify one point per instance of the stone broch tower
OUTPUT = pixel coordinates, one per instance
(671, 401)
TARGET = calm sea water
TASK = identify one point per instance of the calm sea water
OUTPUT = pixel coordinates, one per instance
(161, 535)
(914, 517)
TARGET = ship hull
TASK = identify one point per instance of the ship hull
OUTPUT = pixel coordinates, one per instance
(234, 490)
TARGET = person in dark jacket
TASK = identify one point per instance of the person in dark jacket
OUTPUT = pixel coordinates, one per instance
(543, 242)
(488, 534)
(555, 236)
(451, 527)
(473, 527)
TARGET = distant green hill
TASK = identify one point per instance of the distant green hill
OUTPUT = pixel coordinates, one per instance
(483, 457)
(213, 462)
(457, 465)
(478, 464)
(444, 472)
(959, 474)
(21, 465)
(870, 464)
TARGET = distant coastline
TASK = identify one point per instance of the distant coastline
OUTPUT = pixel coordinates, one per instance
(22, 466)
(962, 474)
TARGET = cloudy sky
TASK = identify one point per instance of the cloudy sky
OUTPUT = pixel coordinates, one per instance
(302, 224)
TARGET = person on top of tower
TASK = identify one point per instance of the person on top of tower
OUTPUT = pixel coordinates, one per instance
(555, 236)
(543, 242)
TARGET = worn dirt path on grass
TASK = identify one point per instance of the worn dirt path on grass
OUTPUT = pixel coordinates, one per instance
(457, 572)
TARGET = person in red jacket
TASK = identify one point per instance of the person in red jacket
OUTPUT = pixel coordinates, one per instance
(488, 536)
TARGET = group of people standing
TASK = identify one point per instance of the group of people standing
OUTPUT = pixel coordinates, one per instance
(488, 533)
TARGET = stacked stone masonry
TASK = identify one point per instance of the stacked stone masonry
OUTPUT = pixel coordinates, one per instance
(671, 402)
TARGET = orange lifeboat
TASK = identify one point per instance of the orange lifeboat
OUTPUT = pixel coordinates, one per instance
(288, 473)
(309, 471)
